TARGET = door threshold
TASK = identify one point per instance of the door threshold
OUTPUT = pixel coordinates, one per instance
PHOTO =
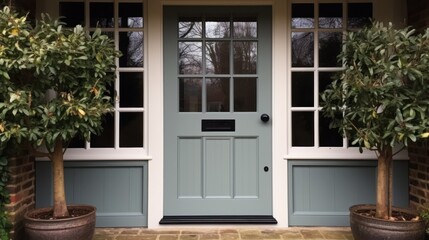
(245, 219)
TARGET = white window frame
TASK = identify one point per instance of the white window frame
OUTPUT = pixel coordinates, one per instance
(118, 153)
(316, 152)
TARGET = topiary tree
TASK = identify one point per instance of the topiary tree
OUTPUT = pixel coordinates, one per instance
(53, 87)
(380, 100)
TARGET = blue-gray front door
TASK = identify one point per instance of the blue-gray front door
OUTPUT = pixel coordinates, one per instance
(217, 88)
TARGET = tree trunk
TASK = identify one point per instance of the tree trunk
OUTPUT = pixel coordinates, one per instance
(60, 205)
(384, 179)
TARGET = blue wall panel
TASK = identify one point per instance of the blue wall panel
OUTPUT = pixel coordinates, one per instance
(321, 192)
(117, 188)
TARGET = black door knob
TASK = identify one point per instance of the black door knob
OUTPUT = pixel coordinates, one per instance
(265, 117)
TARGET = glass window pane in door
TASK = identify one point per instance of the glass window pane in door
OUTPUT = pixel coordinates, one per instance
(245, 94)
(101, 15)
(190, 28)
(328, 137)
(245, 57)
(130, 129)
(217, 94)
(131, 89)
(302, 49)
(218, 28)
(106, 139)
(190, 94)
(359, 15)
(131, 15)
(73, 13)
(331, 15)
(330, 44)
(302, 129)
(302, 89)
(302, 15)
(131, 46)
(245, 28)
(190, 57)
(217, 57)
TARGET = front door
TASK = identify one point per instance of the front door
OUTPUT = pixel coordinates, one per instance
(217, 109)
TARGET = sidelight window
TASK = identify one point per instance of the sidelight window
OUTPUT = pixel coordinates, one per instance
(122, 21)
(316, 39)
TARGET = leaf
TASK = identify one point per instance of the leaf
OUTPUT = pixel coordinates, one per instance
(424, 135)
(367, 144)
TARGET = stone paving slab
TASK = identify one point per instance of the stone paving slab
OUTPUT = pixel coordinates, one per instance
(293, 233)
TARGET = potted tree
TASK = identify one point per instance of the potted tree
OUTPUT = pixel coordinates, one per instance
(54, 85)
(380, 102)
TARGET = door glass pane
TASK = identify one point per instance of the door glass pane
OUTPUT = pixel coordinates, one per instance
(190, 57)
(325, 78)
(302, 89)
(328, 137)
(73, 13)
(190, 94)
(131, 46)
(245, 57)
(218, 28)
(303, 15)
(329, 47)
(331, 15)
(217, 57)
(131, 89)
(107, 137)
(131, 129)
(190, 28)
(217, 94)
(131, 15)
(245, 94)
(245, 28)
(302, 49)
(359, 14)
(101, 15)
(303, 129)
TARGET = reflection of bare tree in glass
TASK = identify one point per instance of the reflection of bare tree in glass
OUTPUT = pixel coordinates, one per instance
(190, 29)
(217, 57)
(190, 57)
(217, 53)
(245, 29)
(302, 49)
(134, 22)
(135, 49)
(331, 22)
(245, 57)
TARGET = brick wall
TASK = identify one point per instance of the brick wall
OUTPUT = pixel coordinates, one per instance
(419, 174)
(21, 190)
(418, 17)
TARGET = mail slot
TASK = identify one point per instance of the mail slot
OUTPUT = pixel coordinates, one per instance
(218, 125)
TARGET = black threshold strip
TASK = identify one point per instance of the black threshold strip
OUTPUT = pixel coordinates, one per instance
(247, 219)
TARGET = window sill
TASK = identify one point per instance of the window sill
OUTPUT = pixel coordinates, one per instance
(105, 154)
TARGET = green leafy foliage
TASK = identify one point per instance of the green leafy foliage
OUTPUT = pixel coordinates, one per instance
(381, 99)
(54, 81)
(54, 85)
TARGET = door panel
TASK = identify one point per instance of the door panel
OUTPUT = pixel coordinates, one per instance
(217, 84)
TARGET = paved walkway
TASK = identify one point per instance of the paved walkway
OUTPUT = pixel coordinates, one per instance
(223, 234)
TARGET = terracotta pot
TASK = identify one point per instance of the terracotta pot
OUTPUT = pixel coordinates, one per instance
(80, 227)
(370, 228)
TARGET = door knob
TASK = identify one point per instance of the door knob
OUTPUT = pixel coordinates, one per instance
(265, 117)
